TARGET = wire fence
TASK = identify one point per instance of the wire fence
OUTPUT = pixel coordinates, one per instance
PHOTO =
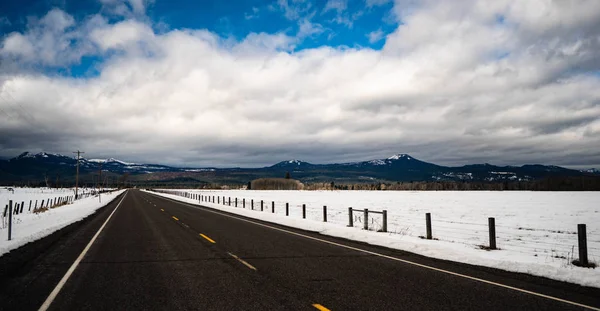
(553, 244)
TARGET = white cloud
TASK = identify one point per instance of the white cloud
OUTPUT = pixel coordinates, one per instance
(308, 29)
(294, 9)
(375, 36)
(336, 5)
(452, 83)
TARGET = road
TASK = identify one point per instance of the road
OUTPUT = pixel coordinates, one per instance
(154, 253)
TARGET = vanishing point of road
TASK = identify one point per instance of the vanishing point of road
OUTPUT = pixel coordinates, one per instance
(147, 252)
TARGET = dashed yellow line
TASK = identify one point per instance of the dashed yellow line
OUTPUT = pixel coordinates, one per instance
(243, 262)
(175, 218)
(320, 307)
(207, 238)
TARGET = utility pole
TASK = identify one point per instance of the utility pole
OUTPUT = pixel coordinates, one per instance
(77, 176)
(100, 183)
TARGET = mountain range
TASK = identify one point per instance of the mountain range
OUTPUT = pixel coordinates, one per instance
(57, 168)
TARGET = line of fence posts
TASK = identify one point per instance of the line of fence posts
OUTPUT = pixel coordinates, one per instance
(581, 228)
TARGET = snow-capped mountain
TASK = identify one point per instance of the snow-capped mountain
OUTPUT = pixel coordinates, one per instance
(398, 167)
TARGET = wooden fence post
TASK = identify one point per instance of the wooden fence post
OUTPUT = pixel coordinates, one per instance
(10, 207)
(384, 229)
(366, 220)
(287, 209)
(324, 213)
(492, 226)
(273, 207)
(428, 224)
(350, 219)
(581, 235)
(303, 211)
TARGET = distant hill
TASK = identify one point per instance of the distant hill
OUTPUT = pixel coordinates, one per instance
(28, 167)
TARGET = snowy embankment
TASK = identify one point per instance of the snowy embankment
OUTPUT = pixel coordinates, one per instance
(29, 226)
(536, 231)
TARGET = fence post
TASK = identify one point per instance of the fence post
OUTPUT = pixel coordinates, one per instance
(244, 203)
(428, 224)
(218, 200)
(350, 219)
(273, 207)
(366, 220)
(492, 225)
(229, 201)
(287, 209)
(22, 205)
(42, 205)
(384, 229)
(261, 205)
(5, 210)
(581, 235)
(324, 213)
(223, 200)
(29, 210)
(304, 211)
(235, 202)
(252, 204)
(35, 207)
(10, 220)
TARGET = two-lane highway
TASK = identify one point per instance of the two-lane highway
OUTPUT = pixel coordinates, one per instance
(156, 253)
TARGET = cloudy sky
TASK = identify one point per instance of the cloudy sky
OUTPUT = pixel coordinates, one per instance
(250, 83)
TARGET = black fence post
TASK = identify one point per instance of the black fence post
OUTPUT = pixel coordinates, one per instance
(304, 211)
(366, 220)
(324, 213)
(229, 201)
(428, 224)
(350, 219)
(235, 202)
(218, 200)
(22, 205)
(273, 207)
(581, 235)
(384, 229)
(252, 204)
(492, 226)
(261, 205)
(10, 207)
(287, 209)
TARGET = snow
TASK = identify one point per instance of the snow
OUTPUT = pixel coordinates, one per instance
(399, 156)
(377, 162)
(28, 227)
(536, 231)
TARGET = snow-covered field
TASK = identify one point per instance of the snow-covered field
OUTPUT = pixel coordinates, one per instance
(29, 226)
(536, 231)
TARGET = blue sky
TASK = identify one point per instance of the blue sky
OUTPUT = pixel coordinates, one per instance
(338, 23)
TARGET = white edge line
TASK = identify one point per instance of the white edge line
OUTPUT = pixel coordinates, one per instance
(211, 210)
(242, 261)
(65, 278)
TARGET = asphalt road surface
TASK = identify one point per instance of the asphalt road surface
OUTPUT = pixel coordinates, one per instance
(154, 253)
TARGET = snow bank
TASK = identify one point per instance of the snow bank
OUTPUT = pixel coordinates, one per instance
(528, 252)
(28, 227)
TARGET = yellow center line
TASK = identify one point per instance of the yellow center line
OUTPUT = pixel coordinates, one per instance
(207, 238)
(320, 307)
(175, 218)
(243, 262)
